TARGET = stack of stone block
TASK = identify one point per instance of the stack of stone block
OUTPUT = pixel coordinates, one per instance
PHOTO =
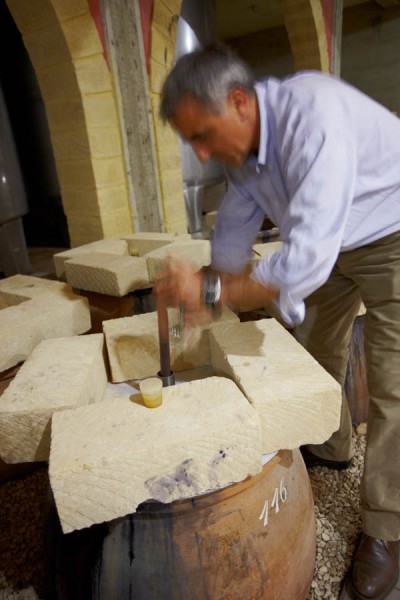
(74, 400)
(118, 267)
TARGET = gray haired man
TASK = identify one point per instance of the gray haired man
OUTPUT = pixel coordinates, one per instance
(322, 161)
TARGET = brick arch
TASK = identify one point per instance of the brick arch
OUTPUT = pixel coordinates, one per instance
(76, 85)
(164, 23)
(305, 25)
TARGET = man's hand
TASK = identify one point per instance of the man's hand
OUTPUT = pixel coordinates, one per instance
(181, 284)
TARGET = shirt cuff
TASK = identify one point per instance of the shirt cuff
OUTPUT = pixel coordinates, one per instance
(291, 309)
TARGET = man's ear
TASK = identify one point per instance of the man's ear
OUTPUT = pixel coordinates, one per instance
(239, 101)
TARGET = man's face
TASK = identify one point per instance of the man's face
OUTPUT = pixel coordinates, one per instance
(226, 136)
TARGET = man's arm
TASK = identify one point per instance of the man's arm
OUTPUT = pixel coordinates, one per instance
(243, 290)
(181, 284)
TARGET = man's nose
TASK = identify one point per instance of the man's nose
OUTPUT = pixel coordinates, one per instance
(201, 152)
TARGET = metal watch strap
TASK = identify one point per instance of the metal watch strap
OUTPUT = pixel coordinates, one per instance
(211, 288)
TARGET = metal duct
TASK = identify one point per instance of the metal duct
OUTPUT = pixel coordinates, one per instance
(197, 28)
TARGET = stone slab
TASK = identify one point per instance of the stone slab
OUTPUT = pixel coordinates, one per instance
(107, 273)
(18, 288)
(133, 345)
(119, 247)
(51, 314)
(143, 242)
(197, 251)
(297, 401)
(60, 373)
(109, 457)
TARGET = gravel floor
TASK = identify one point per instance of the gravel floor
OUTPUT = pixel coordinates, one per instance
(22, 547)
(336, 498)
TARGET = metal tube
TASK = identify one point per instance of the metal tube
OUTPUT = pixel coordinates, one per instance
(165, 372)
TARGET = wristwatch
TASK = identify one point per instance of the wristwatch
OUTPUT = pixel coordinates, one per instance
(211, 287)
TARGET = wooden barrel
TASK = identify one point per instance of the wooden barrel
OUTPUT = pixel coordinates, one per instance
(356, 377)
(254, 540)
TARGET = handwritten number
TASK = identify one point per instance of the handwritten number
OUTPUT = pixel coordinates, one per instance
(279, 494)
(282, 491)
(264, 513)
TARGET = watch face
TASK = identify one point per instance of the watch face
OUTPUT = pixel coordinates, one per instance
(211, 288)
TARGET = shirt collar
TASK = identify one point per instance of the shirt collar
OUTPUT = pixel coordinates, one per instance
(261, 93)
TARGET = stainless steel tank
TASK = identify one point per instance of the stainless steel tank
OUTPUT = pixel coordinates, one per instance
(197, 28)
(13, 204)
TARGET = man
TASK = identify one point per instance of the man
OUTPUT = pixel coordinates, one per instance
(322, 161)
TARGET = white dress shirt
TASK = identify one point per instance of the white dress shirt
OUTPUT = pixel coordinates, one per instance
(327, 174)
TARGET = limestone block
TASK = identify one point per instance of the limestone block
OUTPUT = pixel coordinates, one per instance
(47, 315)
(71, 145)
(179, 224)
(84, 229)
(68, 10)
(100, 110)
(66, 113)
(297, 401)
(172, 187)
(74, 173)
(18, 288)
(169, 159)
(107, 273)
(58, 82)
(143, 242)
(46, 47)
(162, 47)
(174, 213)
(158, 74)
(113, 198)
(107, 458)
(60, 373)
(93, 74)
(167, 142)
(119, 247)
(89, 202)
(197, 251)
(175, 7)
(31, 16)
(79, 200)
(117, 223)
(82, 36)
(165, 19)
(109, 171)
(105, 142)
(133, 345)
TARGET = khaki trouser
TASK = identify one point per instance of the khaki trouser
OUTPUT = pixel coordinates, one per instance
(370, 274)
